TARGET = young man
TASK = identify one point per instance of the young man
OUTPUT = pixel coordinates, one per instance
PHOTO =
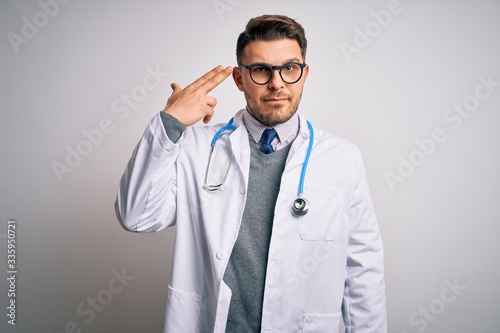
(244, 259)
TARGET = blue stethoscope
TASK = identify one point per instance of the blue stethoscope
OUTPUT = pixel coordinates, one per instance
(300, 205)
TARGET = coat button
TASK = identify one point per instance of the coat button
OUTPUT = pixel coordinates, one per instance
(220, 255)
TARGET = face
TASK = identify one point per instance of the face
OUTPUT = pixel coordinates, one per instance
(275, 102)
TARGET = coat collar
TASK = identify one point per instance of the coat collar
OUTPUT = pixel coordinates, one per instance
(241, 146)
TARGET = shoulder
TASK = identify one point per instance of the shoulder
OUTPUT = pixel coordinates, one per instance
(332, 144)
(325, 140)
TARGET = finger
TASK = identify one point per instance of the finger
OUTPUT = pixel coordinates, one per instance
(217, 79)
(211, 101)
(208, 117)
(209, 112)
(205, 77)
(175, 88)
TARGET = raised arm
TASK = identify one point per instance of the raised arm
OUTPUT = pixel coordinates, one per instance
(146, 199)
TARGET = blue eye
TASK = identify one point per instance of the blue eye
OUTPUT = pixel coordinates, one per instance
(289, 67)
(261, 69)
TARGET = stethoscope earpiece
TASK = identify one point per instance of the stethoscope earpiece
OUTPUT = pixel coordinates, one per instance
(300, 206)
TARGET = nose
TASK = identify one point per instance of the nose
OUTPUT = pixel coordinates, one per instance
(276, 82)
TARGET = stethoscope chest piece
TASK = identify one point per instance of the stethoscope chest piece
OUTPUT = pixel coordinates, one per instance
(300, 206)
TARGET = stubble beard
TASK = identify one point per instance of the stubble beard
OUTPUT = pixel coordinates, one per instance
(276, 114)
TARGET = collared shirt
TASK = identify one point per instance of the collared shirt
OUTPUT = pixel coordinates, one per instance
(287, 131)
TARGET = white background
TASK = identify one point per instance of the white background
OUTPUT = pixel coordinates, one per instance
(440, 222)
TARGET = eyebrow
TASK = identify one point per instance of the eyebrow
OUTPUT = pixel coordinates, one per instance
(284, 62)
(291, 60)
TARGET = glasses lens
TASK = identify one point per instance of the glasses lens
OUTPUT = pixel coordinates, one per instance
(261, 74)
(291, 72)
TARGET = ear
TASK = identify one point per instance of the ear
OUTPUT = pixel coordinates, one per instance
(306, 72)
(238, 79)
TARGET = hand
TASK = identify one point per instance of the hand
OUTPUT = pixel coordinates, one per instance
(191, 104)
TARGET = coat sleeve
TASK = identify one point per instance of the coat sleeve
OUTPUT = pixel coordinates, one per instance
(146, 199)
(364, 303)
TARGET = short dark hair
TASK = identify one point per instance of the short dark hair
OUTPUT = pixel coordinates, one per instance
(269, 28)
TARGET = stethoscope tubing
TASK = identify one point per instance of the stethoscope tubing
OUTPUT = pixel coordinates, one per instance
(301, 205)
(228, 127)
(306, 160)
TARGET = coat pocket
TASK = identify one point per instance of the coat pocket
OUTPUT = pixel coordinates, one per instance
(325, 216)
(321, 323)
(183, 311)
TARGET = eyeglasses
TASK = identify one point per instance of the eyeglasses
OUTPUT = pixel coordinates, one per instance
(261, 73)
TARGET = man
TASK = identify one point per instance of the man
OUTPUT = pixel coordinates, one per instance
(243, 261)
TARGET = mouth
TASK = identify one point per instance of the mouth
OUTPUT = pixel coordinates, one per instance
(276, 100)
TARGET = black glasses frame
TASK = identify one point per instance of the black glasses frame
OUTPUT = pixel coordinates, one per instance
(273, 68)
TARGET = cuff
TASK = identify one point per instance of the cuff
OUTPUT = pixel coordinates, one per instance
(173, 127)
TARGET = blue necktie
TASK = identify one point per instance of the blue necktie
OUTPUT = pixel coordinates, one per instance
(267, 137)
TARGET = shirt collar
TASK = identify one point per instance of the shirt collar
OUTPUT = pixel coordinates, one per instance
(287, 131)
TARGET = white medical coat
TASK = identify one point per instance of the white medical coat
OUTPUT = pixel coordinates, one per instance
(320, 265)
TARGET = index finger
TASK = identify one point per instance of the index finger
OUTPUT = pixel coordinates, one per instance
(207, 76)
(217, 79)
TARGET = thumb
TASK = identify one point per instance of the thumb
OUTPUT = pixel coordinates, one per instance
(175, 87)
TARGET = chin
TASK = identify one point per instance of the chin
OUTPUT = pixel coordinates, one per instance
(277, 117)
